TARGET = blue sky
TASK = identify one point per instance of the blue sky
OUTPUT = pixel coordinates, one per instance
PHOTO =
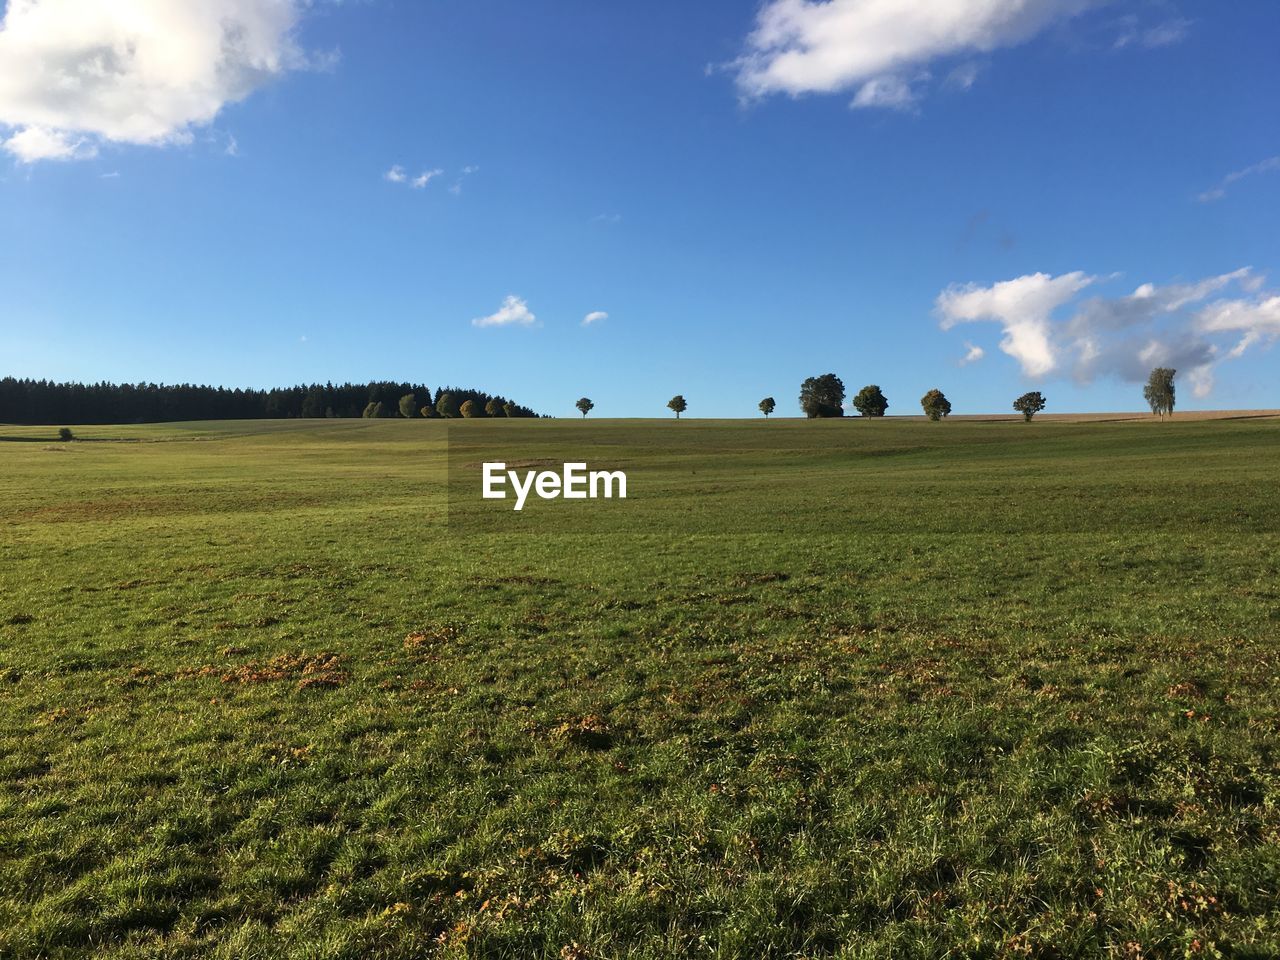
(753, 194)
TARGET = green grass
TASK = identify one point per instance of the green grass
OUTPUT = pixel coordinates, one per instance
(889, 689)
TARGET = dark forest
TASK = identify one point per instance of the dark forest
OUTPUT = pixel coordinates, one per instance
(47, 402)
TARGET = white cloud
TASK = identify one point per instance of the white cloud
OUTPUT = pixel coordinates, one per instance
(398, 174)
(1023, 307)
(891, 92)
(1171, 31)
(456, 187)
(1148, 303)
(1257, 321)
(805, 46)
(595, 316)
(513, 312)
(1270, 165)
(1177, 325)
(972, 354)
(76, 73)
(1163, 34)
(1201, 380)
(40, 143)
(964, 76)
(422, 179)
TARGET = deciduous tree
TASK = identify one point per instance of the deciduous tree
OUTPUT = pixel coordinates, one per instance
(871, 401)
(767, 406)
(1029, 404)
(1159, 391)
(822, 396)
(585, 405)
(935, 404)
(678, 405)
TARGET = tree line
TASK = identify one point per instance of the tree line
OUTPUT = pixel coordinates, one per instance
(824, 396)
(47, 402)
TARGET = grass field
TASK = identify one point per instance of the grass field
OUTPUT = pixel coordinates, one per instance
(892, 689)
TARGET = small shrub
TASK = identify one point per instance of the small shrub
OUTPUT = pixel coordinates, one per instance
(65, 434)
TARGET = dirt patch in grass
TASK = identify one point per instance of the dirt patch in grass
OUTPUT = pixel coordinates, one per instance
(435, 636)
(590, 732)
(309, 670)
